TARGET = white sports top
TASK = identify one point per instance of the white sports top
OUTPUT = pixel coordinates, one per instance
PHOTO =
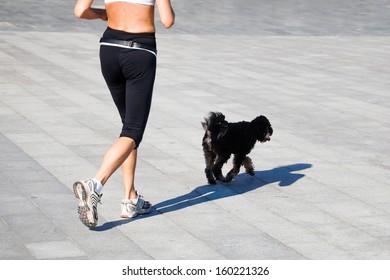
(143, 2)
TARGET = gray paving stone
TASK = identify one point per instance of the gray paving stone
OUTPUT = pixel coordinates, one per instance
(25, 227)
(11, 246)
(54, 250)
(261, 247)
(374, 225)
(322, 250)
(172, 240)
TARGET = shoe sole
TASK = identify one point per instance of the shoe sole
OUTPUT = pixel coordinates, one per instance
(88, 213)
(137, 212)
(129, 216)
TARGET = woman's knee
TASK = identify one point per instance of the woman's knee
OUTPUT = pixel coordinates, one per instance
(135, 135)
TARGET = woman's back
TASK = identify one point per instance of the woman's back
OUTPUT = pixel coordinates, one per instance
(129, 17)
(133, 16)
(137, 16)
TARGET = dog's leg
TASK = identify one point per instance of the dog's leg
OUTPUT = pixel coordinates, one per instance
(237, 162)
(248, 165)
(209, 158)
(217, 168)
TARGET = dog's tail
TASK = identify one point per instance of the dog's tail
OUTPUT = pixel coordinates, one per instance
(215, 125)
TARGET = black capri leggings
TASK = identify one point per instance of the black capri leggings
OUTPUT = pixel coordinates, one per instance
(130, 74)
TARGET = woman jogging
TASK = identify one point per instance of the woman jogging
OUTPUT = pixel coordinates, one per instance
(128, 64)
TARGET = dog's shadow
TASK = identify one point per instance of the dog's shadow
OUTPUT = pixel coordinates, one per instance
(284, 175)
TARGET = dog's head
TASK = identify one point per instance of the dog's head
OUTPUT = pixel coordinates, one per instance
(263, 129)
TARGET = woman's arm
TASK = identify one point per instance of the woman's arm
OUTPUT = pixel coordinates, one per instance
(165, 10)
(83, 10)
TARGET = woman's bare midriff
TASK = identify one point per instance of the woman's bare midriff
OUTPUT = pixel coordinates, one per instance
(132, 18)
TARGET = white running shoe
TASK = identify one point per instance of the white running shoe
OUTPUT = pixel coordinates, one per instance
(85, 191)
(131, 210)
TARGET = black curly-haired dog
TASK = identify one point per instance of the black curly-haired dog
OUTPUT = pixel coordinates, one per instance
(222, 139)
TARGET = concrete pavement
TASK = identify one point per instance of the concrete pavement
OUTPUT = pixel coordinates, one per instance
(321, 189)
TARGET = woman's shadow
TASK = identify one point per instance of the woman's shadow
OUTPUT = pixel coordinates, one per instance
(284, 175)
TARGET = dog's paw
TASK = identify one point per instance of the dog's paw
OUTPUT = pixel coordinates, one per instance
(211, 181)
(230, 176)
(210, 176)
(223, 179)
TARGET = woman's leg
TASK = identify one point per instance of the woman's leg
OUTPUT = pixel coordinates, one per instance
(114, 158)
(133, 204)
(128, 173)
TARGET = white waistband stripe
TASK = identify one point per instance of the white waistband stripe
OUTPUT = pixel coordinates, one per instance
(126, 47)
